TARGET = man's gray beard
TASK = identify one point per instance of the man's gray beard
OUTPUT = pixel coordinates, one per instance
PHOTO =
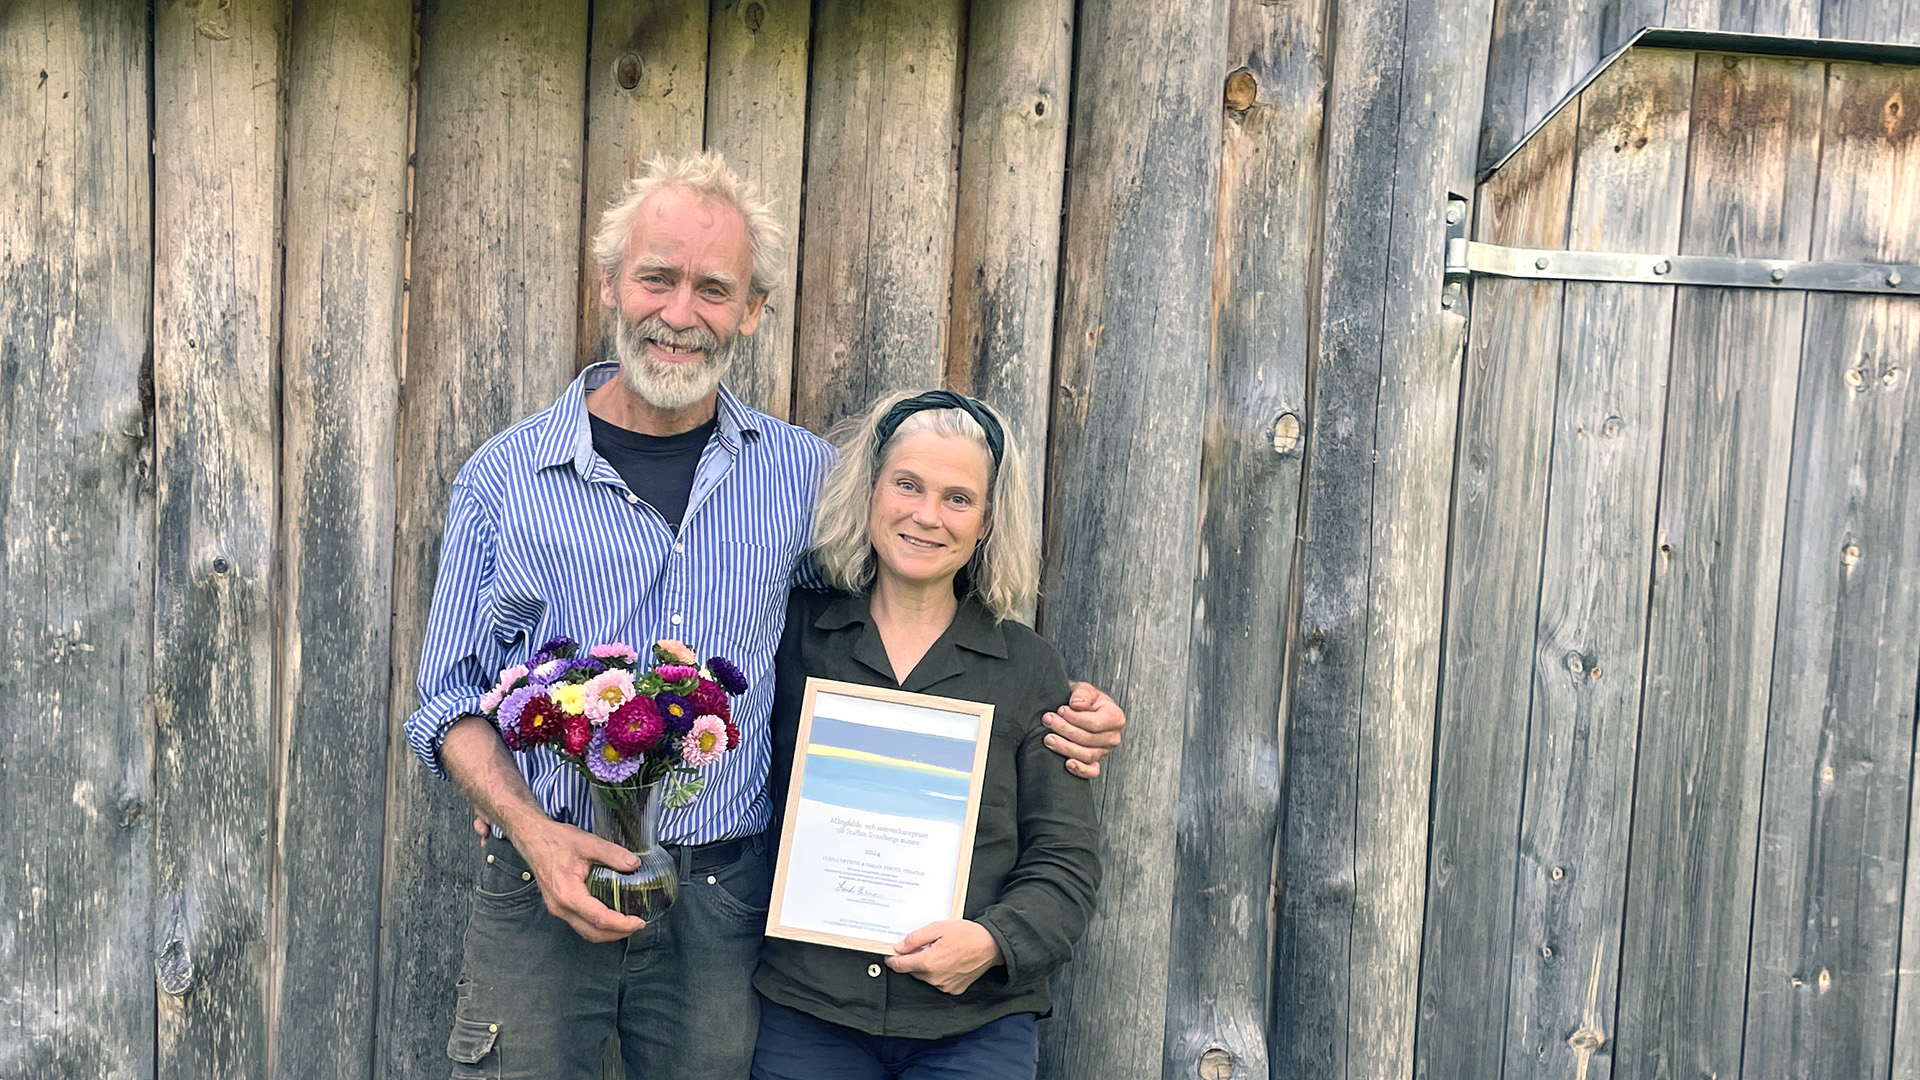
(670, 386)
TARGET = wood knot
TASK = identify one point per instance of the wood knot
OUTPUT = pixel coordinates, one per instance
(1286, 433)
(1586, 1041)
(627, 71)
(1216, 1064)
(174, 967)
(755, 15)
(1243, 89)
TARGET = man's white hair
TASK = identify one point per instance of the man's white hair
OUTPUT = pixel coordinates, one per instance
(706, 175)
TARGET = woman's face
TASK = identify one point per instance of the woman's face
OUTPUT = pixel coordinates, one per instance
(929, 508)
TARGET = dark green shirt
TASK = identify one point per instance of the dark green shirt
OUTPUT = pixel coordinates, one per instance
(1036, 859)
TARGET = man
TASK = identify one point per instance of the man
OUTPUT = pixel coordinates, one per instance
(647, 502)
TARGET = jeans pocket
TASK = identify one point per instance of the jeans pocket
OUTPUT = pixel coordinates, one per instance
(504, 879)
(471, 1048)
(743, 888)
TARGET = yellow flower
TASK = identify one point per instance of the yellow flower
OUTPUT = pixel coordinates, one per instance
(572, 697)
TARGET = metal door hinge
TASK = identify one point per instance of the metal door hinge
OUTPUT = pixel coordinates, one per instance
(1468, 258)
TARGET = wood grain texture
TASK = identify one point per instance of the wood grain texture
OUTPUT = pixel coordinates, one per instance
(646, 95)
(1402, 121)
(1013, 159)
(217, 85)
(1249, 509)
(1493, 599)
(757, 55)
(1828, 978)
(490, 339)
(1871, 20)
(877, 259)
(76, 543)
(346, 206)
(1570, 878)
(1540, 50)
(1826, 949)
(1132, 347)
(1752, 169)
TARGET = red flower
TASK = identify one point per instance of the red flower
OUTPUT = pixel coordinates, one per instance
(709, 700)
(733, 731)
(635, 727)
(541, 721)
(576, 733)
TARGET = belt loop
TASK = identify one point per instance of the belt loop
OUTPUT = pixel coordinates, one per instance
(686, 864)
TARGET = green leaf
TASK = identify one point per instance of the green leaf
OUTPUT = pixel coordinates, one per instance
(682, 786)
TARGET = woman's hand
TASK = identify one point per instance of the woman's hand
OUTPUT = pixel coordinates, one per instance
(947, 955)
(1086, 729)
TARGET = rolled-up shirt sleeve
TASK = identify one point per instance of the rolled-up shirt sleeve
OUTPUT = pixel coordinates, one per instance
(453, 677)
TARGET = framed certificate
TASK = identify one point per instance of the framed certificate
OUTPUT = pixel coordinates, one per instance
(880, 815)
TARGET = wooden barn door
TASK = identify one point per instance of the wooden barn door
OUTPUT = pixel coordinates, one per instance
(1675, 737)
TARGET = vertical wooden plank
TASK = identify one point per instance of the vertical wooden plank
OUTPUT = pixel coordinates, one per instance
(1827, 946)
(1217, 1003)
(1132, 341)
(217, 85)
(346, 205)
(1570, 878)
(877, 259)
(1402, 122)
(1493, 599)
(757, 117)
(646, 95)
(1540, 50)
(76, 542)
(490, 338)
(1013, 159)
(1871, 20)
(1716, 575)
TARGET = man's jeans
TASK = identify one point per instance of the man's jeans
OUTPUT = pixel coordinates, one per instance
(537, 1000)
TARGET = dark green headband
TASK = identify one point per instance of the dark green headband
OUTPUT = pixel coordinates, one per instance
(941, 399)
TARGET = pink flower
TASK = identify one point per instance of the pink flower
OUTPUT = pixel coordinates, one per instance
(615, 651)
(675, 651)
(673, 673)
(706, 742)
(490, 700)
(508, 677)
(606, 692)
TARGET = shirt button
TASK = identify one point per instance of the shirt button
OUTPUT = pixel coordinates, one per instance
(632, 498)
(676, 620)
(678, 548)
(873, 971)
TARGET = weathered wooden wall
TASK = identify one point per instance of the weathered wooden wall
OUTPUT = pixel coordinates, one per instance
(1381, 585)
(1686, 854)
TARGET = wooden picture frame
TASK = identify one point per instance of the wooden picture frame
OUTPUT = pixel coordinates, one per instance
(866, 852)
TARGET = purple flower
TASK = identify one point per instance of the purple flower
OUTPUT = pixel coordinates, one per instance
(676, 712)
(708, 699)
(552, 671)
(606, 763)
(509, 718)
(560, 646)
(727, 675)
(636, 726)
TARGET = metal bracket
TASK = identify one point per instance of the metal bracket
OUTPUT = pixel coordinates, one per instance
(1467, 258)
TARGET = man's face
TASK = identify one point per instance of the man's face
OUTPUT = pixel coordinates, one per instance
(681, 297)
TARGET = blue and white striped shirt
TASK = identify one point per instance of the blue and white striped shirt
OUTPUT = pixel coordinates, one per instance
(543, 539)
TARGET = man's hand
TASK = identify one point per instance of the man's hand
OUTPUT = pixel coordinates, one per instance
(947, 955)
(560, 856)
(1086, 729)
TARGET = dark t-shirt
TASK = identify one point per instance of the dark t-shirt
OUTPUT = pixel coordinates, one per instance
(657, 468)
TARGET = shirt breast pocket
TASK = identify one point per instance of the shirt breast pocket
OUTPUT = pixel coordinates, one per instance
(752, 579)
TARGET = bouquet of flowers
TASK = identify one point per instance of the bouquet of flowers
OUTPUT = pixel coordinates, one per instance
(621, 723)
(626, 726)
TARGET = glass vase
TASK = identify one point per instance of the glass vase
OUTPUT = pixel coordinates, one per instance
(630, 817)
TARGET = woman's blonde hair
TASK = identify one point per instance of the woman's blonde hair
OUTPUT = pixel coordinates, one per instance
(1005, 569)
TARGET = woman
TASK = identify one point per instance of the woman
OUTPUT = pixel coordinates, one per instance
(922, 528)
